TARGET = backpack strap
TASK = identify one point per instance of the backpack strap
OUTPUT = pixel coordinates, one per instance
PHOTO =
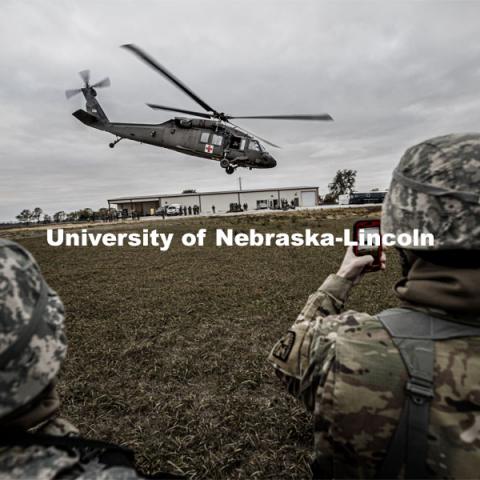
(414, 334)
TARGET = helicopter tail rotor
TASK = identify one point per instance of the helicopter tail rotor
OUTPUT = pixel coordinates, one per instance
(85, 76)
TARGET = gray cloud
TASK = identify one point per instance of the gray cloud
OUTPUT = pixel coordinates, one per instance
(390, 73)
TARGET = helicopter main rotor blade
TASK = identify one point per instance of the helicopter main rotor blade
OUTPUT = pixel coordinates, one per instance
(323, 116)
(102, 83)
(85, 76)
(254, 135)
(188, 112)
(168, 75)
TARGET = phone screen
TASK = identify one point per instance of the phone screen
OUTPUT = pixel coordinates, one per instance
(367, 234)
(371, 240)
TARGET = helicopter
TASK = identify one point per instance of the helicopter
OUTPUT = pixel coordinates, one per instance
(210, 135)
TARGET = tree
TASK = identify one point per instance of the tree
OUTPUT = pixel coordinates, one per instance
(112, 214)
(72, 216)
(102, 214)
(47, 218)
(342, 183)
(37, 212)
(328, 199)
(59, 216)
(85, 214)
(24, 216)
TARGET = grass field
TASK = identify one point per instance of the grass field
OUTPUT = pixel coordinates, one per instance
(167, 351)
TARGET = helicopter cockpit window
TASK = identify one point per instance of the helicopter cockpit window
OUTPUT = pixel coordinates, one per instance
(217, 140)
(254, 145)
(242, 145)
(204, 137)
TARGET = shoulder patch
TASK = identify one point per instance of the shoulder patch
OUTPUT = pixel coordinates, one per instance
(284, 346)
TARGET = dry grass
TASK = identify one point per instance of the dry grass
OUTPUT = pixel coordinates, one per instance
(167, 351)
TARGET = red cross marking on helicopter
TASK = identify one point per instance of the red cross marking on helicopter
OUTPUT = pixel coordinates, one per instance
(209, 148)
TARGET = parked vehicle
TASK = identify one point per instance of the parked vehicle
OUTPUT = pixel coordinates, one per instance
(173, 209)
(357, 198)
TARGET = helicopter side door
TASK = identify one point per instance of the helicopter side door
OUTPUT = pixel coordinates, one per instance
(180, 135)
(210, 144)
(235, 145)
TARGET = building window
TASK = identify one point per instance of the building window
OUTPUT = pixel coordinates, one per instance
(217, 140)
(261, 204)
(204, 137)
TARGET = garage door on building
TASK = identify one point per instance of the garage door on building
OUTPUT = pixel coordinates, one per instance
(308, 199)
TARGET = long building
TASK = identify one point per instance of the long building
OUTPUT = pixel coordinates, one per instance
(220, 201)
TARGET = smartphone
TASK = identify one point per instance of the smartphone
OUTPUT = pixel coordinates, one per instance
(368, 236)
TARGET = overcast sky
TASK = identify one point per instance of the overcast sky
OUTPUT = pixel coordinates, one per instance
(390, 73)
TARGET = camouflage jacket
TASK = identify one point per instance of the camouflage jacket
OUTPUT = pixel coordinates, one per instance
(347, 371)
(46, 463)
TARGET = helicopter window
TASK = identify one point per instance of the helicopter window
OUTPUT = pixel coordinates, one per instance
(242, 144)
(254, 145)
(204, 137)
(217, 140)
(235, 142)
(184, 122)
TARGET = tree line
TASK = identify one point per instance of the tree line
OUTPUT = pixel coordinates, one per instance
(37, 215)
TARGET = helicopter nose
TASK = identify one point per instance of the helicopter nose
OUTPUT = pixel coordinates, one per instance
(270, 162)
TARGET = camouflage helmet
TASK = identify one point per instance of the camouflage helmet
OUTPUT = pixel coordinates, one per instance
(32, 338)
(436, 189)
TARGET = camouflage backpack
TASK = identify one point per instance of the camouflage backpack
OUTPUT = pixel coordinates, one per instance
(415, 334)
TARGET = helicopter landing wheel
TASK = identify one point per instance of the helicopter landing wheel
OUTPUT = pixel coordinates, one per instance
(112, 144)
(224, 163)
(229, 170)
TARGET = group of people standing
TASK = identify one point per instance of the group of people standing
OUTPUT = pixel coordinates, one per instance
(190, 210)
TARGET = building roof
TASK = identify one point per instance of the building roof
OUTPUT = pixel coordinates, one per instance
(153, 198)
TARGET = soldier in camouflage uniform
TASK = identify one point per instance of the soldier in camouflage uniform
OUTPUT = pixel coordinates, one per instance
(34, 441)
(401, 398)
